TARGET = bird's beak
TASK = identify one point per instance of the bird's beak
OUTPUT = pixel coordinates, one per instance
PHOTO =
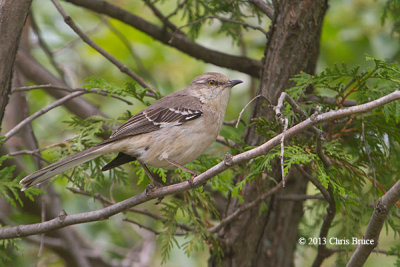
(232, 83)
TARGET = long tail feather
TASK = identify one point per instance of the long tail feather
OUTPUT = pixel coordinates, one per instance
(58, 167)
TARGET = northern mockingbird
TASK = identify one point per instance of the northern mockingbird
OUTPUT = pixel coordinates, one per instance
(171, 132)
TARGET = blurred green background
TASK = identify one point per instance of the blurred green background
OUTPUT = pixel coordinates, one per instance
(352, 29)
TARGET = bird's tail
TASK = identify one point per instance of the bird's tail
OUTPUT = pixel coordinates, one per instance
(58, 167)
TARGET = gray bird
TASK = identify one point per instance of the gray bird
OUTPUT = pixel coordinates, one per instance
(171, 132)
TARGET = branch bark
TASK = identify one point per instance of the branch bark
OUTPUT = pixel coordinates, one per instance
(64, 220)
(123, 68)
(13, 15)
(178, 41)
(35, 72)
(264, 7)
(41, 112)
(382, 208)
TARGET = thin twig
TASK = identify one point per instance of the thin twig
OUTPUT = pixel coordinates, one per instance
(40, 112)
(244, 108)
(135, 56)
(181, 42)
(49, 86)
(142, 226)
(296, 108)
(296, 197)
(244, 208)
(328, 100)
(34, 151)
(324, 158)
(163, 19)
(201, 179)
(179, 6)
(226, 142)
(245, 25)
(123, 68)
(74, 41)
(264, 7)
(150, 229)
(107, 202)
(45, 48)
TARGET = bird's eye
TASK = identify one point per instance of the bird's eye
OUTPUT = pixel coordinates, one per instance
(211, 82)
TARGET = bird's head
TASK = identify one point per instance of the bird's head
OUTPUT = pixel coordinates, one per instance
(211, 85)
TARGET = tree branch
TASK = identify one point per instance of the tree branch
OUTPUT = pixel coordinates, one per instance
(104, 213)
(45, 48)
(107, 202)
(123, 68)
(246, 207)
(148, 228)
(179, 41)
(296, 197)
(245, 25)
(35, 72)
(382, 208)
(264, 7)
(41, 112)
(71, 90)
(159, 15)
(133, 53)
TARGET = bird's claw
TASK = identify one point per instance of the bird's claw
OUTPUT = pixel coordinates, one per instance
(190, 180)
(150, 188)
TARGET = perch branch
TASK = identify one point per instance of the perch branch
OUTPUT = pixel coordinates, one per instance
(64, 220)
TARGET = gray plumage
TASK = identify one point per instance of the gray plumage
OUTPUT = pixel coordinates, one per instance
(178, 128)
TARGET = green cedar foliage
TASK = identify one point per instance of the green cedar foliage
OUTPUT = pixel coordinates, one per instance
(357, 157)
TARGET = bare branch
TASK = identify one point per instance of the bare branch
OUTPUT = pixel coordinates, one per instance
(107, 202)
(228, 143)
(104, 213)
(264, 7)
(159, 15)
(148, 228)
(296, 108)
(244, 108)
(35, 72)
(181, 42)
(134, 55)
(245, 207)
(179, 6)
(245, 25)
(77, 40)
(71, 90)
(296, 197)
(329, 100)
(34, 151)
(45, 48)
(41, 112)
(382, 208)
(142, 226)
(123, 68)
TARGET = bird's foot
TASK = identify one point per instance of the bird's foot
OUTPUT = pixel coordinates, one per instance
(190, 180)
(150, 188)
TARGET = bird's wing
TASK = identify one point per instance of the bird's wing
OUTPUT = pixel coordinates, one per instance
(172, 110)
